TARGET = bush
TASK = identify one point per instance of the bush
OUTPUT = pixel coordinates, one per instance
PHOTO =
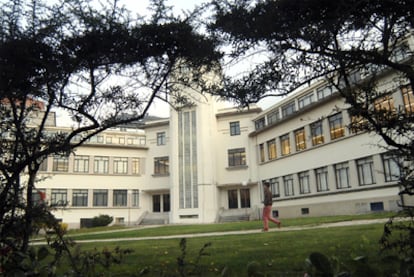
(101, 220)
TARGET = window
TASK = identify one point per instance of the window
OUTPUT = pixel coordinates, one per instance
(80, 198)
(120, 197)
(273, 117)
(336, 128)
(384, 108)
(135, 198)
(322, 179)
(271, 149)
(233, 200)
(261, 153)
(365, 171)
(300, 139)
(285, 144)
(234, 128)
(288, 185)
(305, 100)
(260, 123)
(288, 109)
(161, 165)
(135, 166)
(120, 165)
(121, 140)
(274, 187)
(391, 168)
(39, 196)
(304, 186)
(108, 140)
(237, 157)
(244, 198)
(100, 197)
(304, 211)
(317, 133)
(59, 197)
(161, 138)
(342, 175)
(377, 206)
(324, 92)
(81, 164)
(358, 124)
(101, 165)
(43, 165)
(408, 98)
(60, 163)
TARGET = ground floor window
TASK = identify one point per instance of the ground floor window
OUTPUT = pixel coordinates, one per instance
(80, 198)
(100, 197)
(234, 195)
(161, 202)
(120, 197)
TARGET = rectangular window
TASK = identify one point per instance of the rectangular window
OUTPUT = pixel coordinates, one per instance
(288, 185)
(304, 185)
(135, 166)
(408, 98)
(358, 124)
(365, 168)
(271, 149)
(244, 198)
(161, 165)
(234, 128)
(43, 165)
(377, 206)
(305, 100)
(60, 163)
(385, 103)
(120, 165)
(135, 198)
(81, 164)
(161, 138)
(237, 157)
(324, 92)
(260, 123)
(288, 109)
(391, 168)
(59, 197)
(120, 198)
(274, 187)
(300, 139)
(100, 197)
(80, 198)
(317, 133)
(285, 144)
(342, 175)
(273, 117)
(233, 200)
(101, 165)
(336, 128)
(261, 153)
(322, 179)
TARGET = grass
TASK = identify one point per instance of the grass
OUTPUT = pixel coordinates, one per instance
(278, 253)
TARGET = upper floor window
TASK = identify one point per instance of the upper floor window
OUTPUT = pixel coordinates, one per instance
(59, 197)
(274, 187)
(273, 117)
(136, 165)
(317, 133)
(100, 197)
(288, 185)
(81, 164)
(161, 165)
(285, 144)
(237, 157)
(336, 128)
(120, 165)
(365, 169)
(304, 185)
(322, 179)
(408, 98)
(305, 100)
(234, 128)
(43, 165)
(384, 107)
(260, 123)
(60, 163)
(80, 198)
(300, 139)
(271, 149)
(288, 109)
(101, 165)
(261, 153)
(391, 168)
(358, 124)
(119, 197)
(342, 175)
(161, 138)
(324, 92)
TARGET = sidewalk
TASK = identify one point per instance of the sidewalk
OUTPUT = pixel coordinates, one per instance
(243, 232)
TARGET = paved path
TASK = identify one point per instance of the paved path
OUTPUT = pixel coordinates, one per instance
(225, 233)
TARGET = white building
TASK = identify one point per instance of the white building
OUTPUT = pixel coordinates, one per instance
(206, 163)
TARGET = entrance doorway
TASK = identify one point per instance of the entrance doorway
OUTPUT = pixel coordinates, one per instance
(161, 202)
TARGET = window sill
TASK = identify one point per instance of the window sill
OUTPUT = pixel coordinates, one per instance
(238, 167)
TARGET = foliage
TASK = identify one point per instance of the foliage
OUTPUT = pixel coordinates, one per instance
(101, 220)
(361, 49)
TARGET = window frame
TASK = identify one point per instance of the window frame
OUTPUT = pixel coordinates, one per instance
(234, 128)
(364, 166)
(271, 149)
(317, 133)
(321, 175)
(236, 157)
(300, 139)
(161, 165)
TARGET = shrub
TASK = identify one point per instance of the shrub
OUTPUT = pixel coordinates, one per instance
(101, 220)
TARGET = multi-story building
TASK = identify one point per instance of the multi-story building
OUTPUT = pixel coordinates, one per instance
(206, 164)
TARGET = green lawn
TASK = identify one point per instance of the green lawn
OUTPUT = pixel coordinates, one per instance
(279, 253)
